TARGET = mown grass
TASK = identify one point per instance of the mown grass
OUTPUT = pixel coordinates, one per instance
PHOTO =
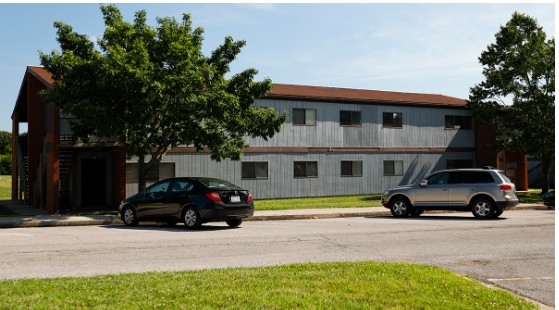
(356, 285)
(530, 196)
(5, 187)
(319, 202)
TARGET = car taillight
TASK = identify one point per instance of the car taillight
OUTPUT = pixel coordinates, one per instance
(506, 187)
(214, 196)
(249, 197)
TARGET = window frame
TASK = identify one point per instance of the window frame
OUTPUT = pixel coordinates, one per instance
(352, 120)
(305, 118)
(394, 173)
(394, 123)
(353, 170)
(306, 170)
(254, 163)
(457, 122)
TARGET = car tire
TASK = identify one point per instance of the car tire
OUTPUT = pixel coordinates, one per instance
(483, 208)
(191, 218)
(497, 213)
(234, 222)
(400, 207)
(129, 216)
(416, 212)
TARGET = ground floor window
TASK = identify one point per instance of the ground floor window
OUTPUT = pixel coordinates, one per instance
(352, 168)
(305, 169)
(393, 167)
(160, 172)
(254, 170)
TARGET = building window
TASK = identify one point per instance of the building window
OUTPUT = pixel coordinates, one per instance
(305, 169)
(352, 168)
(163, 171)
(457, 122)
(304, 117)
(350, 118)
(392, 119)
(254, 170)
(459, 163)
(393, 167)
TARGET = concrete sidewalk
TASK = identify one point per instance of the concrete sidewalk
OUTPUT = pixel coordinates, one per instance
(35, 217)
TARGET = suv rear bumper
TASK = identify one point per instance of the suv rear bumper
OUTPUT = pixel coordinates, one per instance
(503, 205)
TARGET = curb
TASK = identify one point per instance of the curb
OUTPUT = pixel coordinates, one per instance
(71, 220)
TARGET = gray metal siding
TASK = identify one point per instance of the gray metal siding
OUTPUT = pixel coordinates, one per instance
(422, 126)
(281, 182)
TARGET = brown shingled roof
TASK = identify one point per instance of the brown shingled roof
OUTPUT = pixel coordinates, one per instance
(349, 95)
(42, 74)
(328, 94)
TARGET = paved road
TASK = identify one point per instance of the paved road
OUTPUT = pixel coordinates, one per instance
(515, 252)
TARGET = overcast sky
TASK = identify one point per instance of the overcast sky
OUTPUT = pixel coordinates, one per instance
(422, 48)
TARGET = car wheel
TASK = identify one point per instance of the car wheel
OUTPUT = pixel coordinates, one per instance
(400, 207)
(234, 222)
(497, 213)
(483, 208)
(416, 212)
(192, 218)
(129, 216)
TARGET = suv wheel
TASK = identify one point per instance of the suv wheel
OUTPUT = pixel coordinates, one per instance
(483, 208)
(400, 207)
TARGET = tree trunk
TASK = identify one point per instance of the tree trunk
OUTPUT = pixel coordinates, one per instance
(142, 173)
(546, 166)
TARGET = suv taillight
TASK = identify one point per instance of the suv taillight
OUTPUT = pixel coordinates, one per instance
(214, 196)
(249, 197)
(506, 187)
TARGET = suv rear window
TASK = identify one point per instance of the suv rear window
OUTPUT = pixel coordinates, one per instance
(458, 177)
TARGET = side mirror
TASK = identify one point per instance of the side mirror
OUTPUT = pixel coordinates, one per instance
(423, 183)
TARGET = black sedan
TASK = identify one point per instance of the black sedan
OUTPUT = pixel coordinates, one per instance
(191, 200)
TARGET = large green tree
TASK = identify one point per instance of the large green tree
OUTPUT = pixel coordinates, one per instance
(154, 89)
(518, 94)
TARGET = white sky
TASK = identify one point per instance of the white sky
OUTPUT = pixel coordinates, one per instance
(425, 48)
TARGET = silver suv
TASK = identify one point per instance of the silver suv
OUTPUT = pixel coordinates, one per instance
(485, 192)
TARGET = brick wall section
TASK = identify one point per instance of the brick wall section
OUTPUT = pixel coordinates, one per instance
(119, 175)
(35, 129)
(15, 162)
(485, 156)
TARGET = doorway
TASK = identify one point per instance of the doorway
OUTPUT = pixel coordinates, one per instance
(93, 179)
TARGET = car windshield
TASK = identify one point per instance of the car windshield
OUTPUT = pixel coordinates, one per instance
(216, 183)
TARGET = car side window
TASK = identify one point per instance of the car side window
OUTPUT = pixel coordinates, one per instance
(182, 186)
(160, 187)
(438, 179)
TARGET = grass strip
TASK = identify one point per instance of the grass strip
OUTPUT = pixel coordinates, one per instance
(353, 285)
(319, 202)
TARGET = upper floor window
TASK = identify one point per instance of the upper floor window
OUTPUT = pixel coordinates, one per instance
(352, 168)
(254, 170)
(304, 117)
(393, 167)
(392, 119)
(457, 122)
(305, 169)
(350, 118)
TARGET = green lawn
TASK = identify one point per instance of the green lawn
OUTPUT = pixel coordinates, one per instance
(359, 285)
(318, 202)
(5, 187)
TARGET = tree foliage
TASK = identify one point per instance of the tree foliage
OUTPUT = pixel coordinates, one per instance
(153, 88)
(518, 94)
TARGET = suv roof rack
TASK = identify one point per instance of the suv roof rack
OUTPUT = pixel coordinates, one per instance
(488, 168)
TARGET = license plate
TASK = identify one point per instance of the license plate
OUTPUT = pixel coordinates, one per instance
(235, 198)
